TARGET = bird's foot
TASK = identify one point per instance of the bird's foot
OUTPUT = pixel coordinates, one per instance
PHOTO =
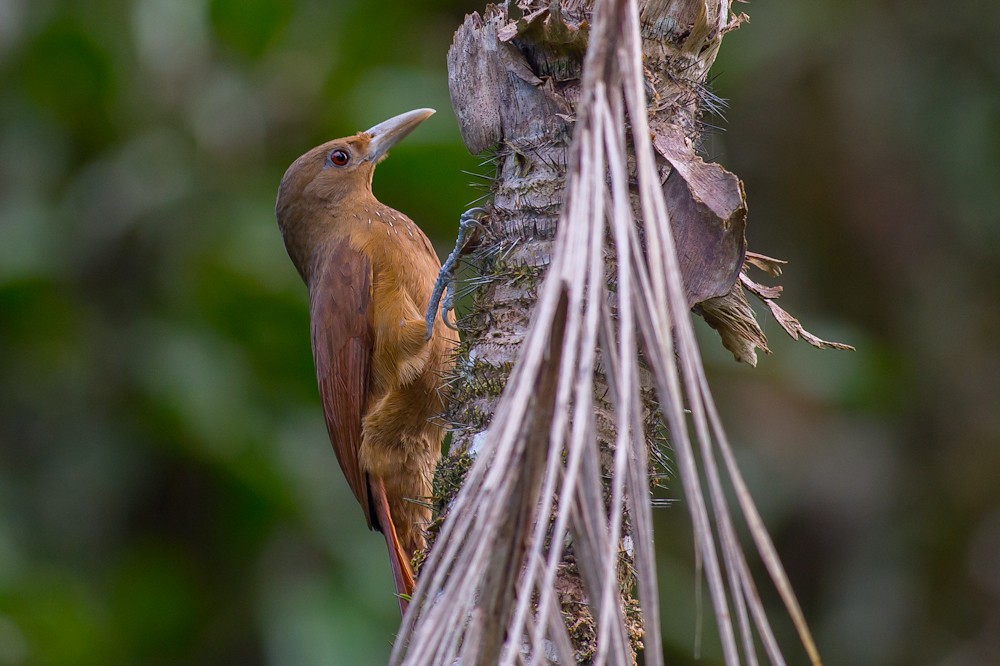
(468, 224)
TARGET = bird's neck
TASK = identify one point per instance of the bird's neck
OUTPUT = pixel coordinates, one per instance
(310, 231)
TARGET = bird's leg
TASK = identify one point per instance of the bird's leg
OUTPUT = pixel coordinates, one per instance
(467, 225)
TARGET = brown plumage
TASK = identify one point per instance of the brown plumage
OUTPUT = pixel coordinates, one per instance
(370, 272)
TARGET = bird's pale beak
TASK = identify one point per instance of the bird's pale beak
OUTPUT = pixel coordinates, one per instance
(388, 133)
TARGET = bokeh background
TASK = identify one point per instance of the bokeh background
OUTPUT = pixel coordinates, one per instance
(167, 492)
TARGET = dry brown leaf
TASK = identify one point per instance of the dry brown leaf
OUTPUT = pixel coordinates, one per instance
(707, 216)
(733, 318)
(795, 330)
(769, 265)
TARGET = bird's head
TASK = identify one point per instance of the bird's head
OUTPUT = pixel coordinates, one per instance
(334, 176)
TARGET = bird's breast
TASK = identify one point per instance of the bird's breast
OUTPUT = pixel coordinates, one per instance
(404, 268)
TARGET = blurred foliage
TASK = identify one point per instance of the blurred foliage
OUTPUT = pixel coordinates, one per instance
(167, 492)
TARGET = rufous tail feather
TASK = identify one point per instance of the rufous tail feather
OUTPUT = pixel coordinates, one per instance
(399, 560)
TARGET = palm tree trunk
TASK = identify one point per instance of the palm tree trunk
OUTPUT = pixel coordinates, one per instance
(555, 437)
(514, 86)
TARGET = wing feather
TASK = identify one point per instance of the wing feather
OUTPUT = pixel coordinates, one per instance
(340, 296)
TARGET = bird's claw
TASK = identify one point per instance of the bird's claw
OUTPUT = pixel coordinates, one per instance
(445, 284)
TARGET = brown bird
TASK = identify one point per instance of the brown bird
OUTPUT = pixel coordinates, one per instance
(370, 272)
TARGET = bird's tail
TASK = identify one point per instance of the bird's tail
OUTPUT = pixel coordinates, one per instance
(399, 560)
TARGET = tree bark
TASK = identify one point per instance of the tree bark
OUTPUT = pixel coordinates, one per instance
(514, 86)
(550, 532)
(515, 75)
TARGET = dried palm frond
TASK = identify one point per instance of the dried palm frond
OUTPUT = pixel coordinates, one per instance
(488, 592)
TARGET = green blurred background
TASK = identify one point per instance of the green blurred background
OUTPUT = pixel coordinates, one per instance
(167, 491)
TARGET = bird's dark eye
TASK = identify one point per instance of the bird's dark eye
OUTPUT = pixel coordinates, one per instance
(339, 157)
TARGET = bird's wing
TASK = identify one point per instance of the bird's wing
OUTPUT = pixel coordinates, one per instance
(340, 298)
